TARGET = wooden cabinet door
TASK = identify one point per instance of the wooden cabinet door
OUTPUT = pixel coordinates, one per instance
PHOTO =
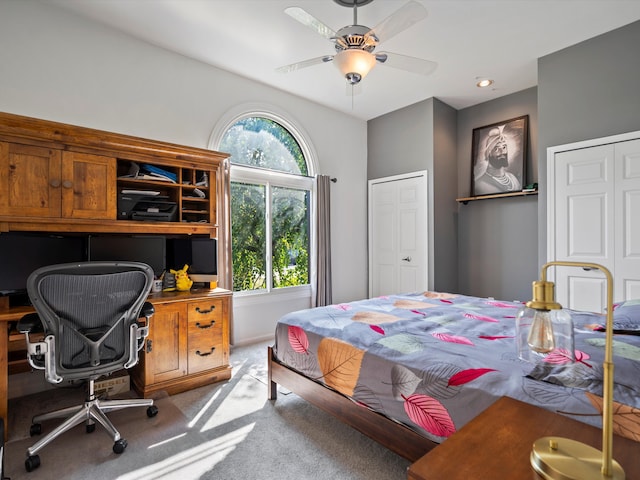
(30, 180)
(167, 359)
(88, 186)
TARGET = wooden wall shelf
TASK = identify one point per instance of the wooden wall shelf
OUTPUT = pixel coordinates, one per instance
(466, 200)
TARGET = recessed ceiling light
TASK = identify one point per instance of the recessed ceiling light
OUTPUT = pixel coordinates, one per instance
(485, 82)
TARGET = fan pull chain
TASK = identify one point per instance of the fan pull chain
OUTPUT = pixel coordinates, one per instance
(352, 95)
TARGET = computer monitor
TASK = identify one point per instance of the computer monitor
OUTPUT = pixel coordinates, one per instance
(200, 254)
(22, 253)
(146, 249)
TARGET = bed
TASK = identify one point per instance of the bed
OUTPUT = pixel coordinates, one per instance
(410, 370)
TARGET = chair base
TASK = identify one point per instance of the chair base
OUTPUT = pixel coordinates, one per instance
(93, 410)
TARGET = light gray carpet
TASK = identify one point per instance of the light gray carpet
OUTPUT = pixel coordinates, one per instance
(224, 431)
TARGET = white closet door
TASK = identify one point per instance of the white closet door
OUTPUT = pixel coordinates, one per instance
(595, 217)
(398, 243)
(584, 224)
(627, 215)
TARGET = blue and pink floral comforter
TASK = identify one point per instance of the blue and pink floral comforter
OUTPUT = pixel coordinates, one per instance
(433, 361)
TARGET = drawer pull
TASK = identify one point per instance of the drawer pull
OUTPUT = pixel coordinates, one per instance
(204, 312)
(204, 327)
(200, 354)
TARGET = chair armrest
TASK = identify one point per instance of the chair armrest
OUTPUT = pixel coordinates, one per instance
(36, 351)
(30, 323)
(147, 309)
(147, 312)
(142, 331)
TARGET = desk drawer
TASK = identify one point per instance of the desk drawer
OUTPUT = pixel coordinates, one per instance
(205, 352)
(205, 335)
(205, 314)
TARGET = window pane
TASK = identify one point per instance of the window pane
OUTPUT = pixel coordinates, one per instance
(290, 237)
(248, 236)
(261, 142)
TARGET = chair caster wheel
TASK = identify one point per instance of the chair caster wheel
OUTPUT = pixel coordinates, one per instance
(32, 462)
(152, 411)
(119, 446)
(90, 428)
(35, 429)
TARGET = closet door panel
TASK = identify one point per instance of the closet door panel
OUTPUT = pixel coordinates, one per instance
(584, 216)
(398, 241)
(627, 214)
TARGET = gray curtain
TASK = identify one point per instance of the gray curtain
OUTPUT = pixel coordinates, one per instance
(323, 280)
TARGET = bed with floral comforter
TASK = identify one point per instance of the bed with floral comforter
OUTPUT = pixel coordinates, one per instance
(433, 361)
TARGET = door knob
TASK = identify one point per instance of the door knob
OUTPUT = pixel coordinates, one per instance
(406, 259)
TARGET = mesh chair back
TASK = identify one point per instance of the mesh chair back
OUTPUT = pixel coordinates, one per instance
(89, 308)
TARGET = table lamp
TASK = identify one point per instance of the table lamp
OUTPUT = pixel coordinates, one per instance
(556, 457)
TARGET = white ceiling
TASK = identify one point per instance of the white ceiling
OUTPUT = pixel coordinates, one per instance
(500, 39)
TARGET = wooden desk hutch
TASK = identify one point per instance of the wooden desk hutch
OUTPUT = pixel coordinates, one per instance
(63, 179)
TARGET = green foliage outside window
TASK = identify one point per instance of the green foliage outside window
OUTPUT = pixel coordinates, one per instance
(248, 236)
(290, 237)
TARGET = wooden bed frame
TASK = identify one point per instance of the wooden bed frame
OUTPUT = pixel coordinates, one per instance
(390, 434)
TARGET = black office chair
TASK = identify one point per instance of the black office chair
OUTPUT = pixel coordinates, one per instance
(90, 313)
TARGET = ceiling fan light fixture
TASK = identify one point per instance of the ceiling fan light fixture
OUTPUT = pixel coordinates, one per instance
(354, 64)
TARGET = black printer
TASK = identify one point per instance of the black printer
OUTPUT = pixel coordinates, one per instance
(146, 206)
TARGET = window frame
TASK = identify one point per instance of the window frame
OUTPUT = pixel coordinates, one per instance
(274, 178)
(270, 179)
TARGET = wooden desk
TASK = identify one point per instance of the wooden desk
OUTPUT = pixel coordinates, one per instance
(497, 443)
(6, 316)
(176, 363)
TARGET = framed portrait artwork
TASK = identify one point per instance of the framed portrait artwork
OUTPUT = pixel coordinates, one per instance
(498, 157)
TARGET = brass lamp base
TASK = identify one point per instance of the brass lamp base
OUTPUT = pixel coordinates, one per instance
(557, 458)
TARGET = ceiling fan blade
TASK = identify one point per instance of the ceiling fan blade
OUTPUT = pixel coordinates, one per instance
(404, 62)
(398, 21)
(306, 63)
(310, 21)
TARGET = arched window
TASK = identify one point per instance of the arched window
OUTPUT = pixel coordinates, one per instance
(271, 192)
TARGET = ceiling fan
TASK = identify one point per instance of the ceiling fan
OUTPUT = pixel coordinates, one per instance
(355, 44)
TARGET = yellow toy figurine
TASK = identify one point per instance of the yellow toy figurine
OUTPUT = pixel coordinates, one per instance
(183, 282)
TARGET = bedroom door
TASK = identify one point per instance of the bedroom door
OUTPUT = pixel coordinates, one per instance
(594, 216)
(398, 243)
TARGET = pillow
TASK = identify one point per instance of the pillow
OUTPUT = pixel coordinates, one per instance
(626, 315)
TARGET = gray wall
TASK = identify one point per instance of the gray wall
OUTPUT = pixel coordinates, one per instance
(586, 91)
(487, 247)
(423, 137)
(497, 237)
(401, 141)
(445, 208)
